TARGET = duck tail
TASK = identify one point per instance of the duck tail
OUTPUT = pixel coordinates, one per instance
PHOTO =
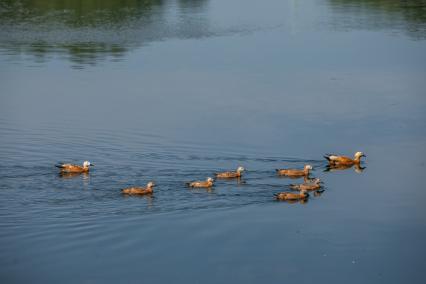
(59, 166)
(188, 184)
(277, 170)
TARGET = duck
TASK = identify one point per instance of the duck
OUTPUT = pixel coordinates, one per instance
(149, 189)
(303, 194)
(315, 185)
(295, 172)
(207, 183)
(336, 160)
(70, 168)
(313, 180)
(231, 174)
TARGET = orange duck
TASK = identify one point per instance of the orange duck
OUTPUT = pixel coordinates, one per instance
(315, 185)
(70, 168)
(335, 160)
(295, 172)
(231, 174)
(207, 183)
(149, 189)
(292, 196)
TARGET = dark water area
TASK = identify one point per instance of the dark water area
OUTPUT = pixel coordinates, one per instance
(174, 91)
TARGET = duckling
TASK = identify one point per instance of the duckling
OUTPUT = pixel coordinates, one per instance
(292, 196)
(231, 174)
(307, 186)
(336, 160)
(70, 168)
(149, 189)
(207, 183)
(294, 172)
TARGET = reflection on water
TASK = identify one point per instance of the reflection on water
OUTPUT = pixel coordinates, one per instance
(65, 175)
(86, 32)
(332, 168)
(396, 15)
(89, 31)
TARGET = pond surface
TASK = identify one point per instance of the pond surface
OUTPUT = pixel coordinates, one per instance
(174, 91)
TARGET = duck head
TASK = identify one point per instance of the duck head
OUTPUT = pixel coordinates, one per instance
(150, 184)
(87, 164)
(209, 179)
(307, 167)
(358, 155)
(240, 169)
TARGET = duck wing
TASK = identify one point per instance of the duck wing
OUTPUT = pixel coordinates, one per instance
(331, 157)
(64, 165)
(227, 175)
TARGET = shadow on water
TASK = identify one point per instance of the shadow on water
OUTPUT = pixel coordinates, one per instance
(87, 32)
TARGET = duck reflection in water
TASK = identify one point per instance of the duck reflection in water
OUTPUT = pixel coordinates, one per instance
(148, 197)
(302, 201)
(209, 190)
(334, 168)
(66, 175)
(319, 192)
(240, 181)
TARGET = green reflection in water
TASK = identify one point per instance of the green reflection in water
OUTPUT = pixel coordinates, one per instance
(75, 13)
(88, 31)
(407, 16)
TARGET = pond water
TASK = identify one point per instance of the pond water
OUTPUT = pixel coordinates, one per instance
(174, 91)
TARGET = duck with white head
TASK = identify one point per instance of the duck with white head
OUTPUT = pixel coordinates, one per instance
(71, 168)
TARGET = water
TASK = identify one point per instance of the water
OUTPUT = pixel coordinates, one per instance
(174, 91)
